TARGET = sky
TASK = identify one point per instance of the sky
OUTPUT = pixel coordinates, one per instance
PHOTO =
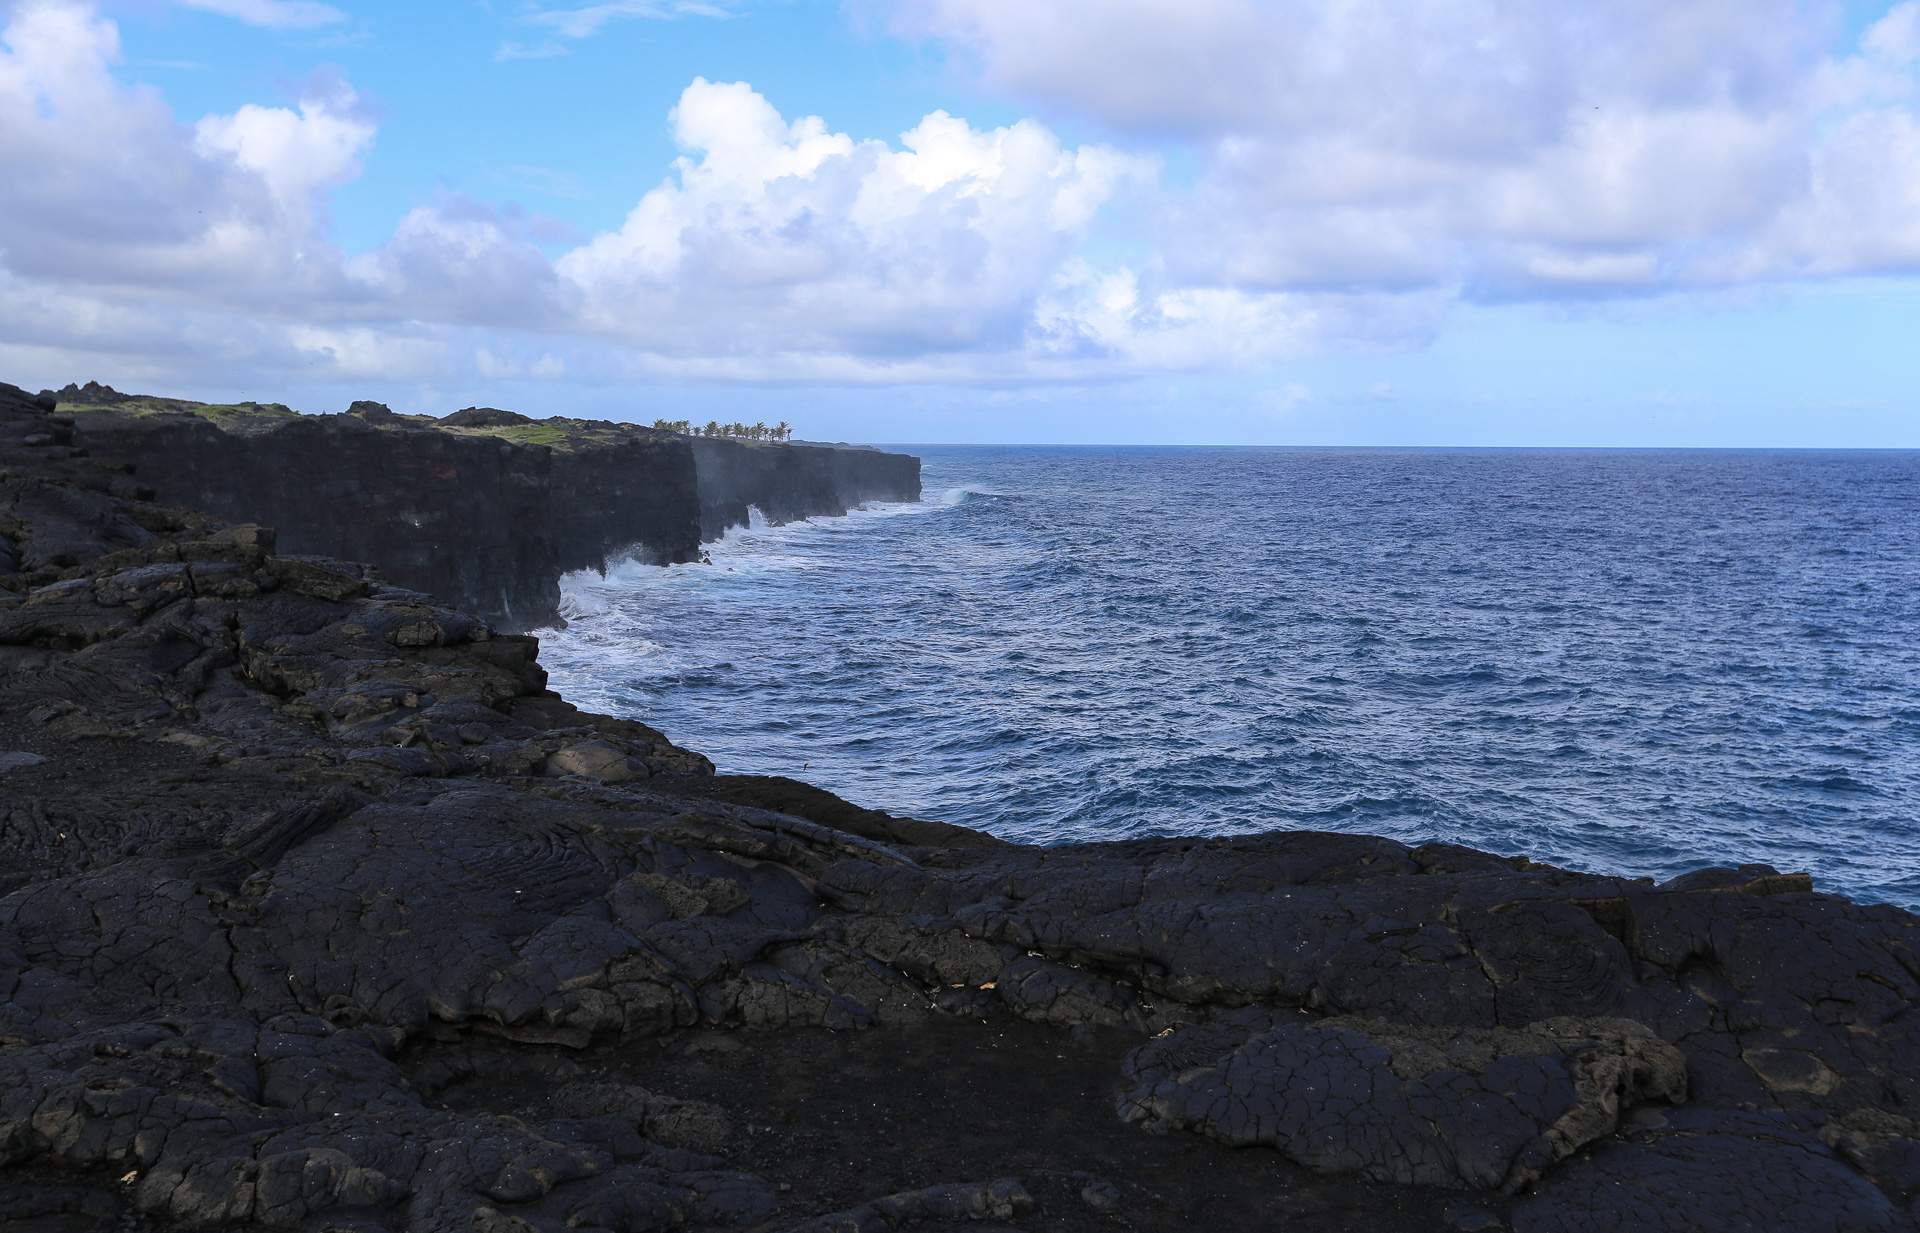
(1317, 222)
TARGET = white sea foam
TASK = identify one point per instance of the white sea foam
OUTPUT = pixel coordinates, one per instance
(615, 640)
(758, 547)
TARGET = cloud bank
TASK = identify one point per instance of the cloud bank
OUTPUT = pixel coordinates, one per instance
(1361, 166)
(1493, 148)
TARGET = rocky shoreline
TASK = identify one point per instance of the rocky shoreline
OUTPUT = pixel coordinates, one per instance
(318, 911)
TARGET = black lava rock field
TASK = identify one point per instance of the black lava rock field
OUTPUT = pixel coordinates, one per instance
(318, 911)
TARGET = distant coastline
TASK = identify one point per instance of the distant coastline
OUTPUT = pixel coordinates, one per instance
(485, 507)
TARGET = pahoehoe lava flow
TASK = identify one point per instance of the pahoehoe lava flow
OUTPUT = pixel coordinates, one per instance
(319, 911)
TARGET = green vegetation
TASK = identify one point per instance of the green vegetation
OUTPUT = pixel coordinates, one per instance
(247, 410)
(237, 415)
(559, 432)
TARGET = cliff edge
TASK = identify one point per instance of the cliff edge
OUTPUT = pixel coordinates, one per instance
(485, 508)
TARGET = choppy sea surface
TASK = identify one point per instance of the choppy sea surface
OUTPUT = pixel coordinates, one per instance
(1637, 662)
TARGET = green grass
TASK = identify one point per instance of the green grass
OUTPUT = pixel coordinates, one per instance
(218, 413)
(561, 433)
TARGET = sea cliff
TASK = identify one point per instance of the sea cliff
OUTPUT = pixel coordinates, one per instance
(487, 509)
(318, 911)
(789, 482)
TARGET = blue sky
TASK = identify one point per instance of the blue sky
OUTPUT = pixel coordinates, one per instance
(1436, 222)
(579, 135)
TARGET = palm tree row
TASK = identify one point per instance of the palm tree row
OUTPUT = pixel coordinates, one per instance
(714, 428)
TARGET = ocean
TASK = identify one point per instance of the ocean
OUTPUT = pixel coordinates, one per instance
(1633, 662)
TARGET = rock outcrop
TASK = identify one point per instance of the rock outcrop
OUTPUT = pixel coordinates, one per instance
(485, 508)
(318, 911)
(787, 483)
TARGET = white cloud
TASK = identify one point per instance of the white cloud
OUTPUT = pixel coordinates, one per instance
(1504, 147)
(105, 189)
(1363, 167)
(274, 14)
(777, 249)
(548, 367)
(784, 239)
(589, 20)
(297, 155)
(462, 262)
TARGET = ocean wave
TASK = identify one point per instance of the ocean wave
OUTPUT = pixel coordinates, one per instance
(1076, 645)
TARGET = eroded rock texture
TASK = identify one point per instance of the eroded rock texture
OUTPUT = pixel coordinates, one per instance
(302, 848)
(485, 508)
(1448, 1106)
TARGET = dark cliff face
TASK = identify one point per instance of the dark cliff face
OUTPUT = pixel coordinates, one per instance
(488, 522)
(789, 482)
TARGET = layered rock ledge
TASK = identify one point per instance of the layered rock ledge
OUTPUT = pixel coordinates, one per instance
(318, 911)
(485, 508)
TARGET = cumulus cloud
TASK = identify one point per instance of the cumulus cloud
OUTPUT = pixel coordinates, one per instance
(776, 248)
(462, 262)
(1502, 147)
(807, 242)
(1363, 166)
(296, 155)
(105, 189)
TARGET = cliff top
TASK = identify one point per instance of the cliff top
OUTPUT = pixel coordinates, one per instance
(560, 432)
(240, 417)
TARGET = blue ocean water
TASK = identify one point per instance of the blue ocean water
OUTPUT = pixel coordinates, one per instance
(1625, 661)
